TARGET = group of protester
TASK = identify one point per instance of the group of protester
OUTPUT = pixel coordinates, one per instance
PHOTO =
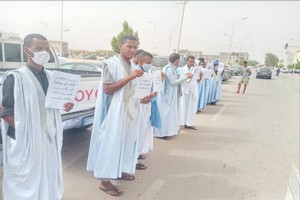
(123, 127)
(127, 124)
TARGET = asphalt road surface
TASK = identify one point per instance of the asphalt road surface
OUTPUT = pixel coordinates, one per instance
(246, 147)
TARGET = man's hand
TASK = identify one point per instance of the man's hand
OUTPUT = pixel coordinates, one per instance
(152, 95)
(135, 73)
(189, 75)
(163, 76)
(68, 106)
(145, 100)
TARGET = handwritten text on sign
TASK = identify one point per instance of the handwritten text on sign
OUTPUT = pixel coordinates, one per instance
(157, 81)
(143, 87)
(62, 89)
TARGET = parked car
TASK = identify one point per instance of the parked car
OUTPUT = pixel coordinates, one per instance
(161, 61)
(237, 70)
(226, 75)
(82, 66)
(264, 73)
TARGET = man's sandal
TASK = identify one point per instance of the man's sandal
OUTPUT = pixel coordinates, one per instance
(140, 166)
(142, 157)
(113, 191)
(126, 177)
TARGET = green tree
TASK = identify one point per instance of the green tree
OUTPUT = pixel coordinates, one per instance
(127, 30)
(271, 60)
(297, 65)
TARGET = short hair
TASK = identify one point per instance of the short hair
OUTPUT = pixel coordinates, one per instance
(201, 59)
(143, 54)
(245, 62)
(29, 38)
(127, 37)
(190, 57)
(137, 52)
(173, 57)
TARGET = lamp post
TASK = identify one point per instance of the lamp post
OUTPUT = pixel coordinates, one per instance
(61, 27)
(246, 38)
(170, 38)
(46, 28)
(180, 29)
(231, 37)
(153, 44)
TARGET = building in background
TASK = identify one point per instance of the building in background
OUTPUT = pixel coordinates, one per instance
(56, 46)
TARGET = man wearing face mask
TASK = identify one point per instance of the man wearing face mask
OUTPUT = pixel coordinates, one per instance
(32, 134)
(167, 99)
(145, 131)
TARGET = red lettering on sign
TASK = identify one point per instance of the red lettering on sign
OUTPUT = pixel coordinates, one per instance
(79, 96)
(96, 93)
(89, 94)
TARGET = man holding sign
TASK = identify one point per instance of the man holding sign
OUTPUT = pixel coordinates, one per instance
(32, 133)
(167, 99)
(188, 100)
(113, 147)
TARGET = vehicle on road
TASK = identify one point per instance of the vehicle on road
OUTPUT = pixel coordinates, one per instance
(81, 116)
(160, 61)
(264, 72)
(226, 75)
(237, 70)
(83, 66)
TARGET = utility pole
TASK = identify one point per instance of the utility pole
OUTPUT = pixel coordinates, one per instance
(180, 29)
(61, 27)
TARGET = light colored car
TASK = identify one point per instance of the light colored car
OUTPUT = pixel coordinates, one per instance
(264, 73)
(82, 66)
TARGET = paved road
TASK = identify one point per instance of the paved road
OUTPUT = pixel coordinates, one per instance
(246, 147)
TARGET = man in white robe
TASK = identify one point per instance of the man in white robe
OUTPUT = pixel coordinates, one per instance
(145, 131)
(32, 134)
(114, 143)
(167, 99)
(189, 99)
(206, 86)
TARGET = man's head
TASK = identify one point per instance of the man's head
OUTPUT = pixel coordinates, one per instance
(36, 47)
(135, 58)
(174, 59)
(128, 45)
(202, 62)
(145, 60)
(245, 63)
(216, 63)
(190, 61)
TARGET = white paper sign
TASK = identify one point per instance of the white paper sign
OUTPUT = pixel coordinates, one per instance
(143, 86)
(62, 89)
(157, 81)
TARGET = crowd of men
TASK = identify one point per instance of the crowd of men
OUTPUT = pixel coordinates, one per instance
(123, 127)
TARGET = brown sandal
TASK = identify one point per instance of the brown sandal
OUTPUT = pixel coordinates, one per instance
(113, 191)
(126, 177)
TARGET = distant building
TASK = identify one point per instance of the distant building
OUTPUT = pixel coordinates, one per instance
(297, 57)
(210, 58)
(288, 59)
(234, 57)
(185, 53)
(56, 46)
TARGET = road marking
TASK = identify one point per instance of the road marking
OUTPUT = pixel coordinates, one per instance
(153, 190)
(216, 116)
(292, 192)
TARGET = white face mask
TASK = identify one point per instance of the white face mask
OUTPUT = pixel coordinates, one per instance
(147, 67)
(40, 57)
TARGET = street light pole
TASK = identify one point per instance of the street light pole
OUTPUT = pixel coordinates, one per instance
(170, 39)
(61, 27)
(154, 29)
(180, 29)
(241, 47)
(231, 37)
(46, 28)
